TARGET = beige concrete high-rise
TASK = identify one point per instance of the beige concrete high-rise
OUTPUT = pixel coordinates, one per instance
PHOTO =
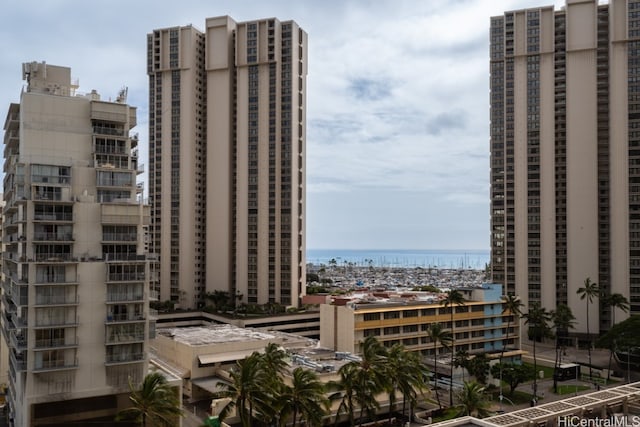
(75, 310)
(227, 126)
(565, 155)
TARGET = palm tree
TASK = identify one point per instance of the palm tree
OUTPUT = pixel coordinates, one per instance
(473, 400)
(589, 292)
(454, 298)
(306, 397)
(563, 320)
(511, 305)
(346, 385)
(538, 320)
(614, 301)
(360, 380)
(407, 374)
(246, 388)
(155, 401)
(372, 379)
(437, 334)
(461, 360)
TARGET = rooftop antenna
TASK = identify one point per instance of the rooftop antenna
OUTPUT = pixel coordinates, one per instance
(122, 95)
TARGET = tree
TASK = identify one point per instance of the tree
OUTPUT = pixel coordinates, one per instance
(361, 380)
(473, 400)
(614, 301)
(513, 374)
(461, 360)
(538, 320)
(563, 320)
(512, 306)
(246, 388)
(406, 373)
(346, 385)
(454, 298)
(437, 334)
(155, 401)
(306, 397)
(589, 292)
(479, 367)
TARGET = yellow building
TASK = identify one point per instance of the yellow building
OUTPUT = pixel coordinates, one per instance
(479, 325)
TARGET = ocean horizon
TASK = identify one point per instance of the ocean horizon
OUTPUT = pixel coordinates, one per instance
(475, 259)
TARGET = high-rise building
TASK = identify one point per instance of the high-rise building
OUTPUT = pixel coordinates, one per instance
(75, 276)
(565, 155)
(227, 126)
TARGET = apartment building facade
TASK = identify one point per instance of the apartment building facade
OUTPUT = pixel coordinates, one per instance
(227, 126)
(479, 325)
(75, 313)
(565, 150)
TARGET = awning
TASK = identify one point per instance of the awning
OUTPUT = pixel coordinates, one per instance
(209, 384)
(230, 356)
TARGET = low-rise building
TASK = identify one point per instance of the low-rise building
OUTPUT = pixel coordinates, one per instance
(479, 325)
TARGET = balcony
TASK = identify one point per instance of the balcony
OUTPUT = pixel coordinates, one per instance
(55, 257)
(55, 365)
(19, 322)
(125, 318)
(56, 216)
(18, 341)
(123, 337)
(124, 357)
(119, 237)
(55, 279)
(55, 322)
(18, 361)
(56, 299)
(125, 296)
(52, 237)
(57, 343)
(125, 277)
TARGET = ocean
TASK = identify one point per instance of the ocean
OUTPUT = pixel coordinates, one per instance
(475, 259)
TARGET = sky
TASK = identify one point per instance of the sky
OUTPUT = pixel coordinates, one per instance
(397, 101)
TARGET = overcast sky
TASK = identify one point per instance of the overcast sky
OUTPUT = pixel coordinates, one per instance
(397, 105)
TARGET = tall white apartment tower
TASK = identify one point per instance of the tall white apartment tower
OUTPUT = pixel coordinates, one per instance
(75, 289)
(227, 126)
(565, 155)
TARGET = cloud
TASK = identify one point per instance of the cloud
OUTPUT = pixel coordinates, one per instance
(369, 89)
(397, 93)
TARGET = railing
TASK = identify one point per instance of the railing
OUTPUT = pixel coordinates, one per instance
(120, 237)
(125, 277)
(124, 296)
(57, 237)
(56, 300)
(56, 342)
(19, 362)
(61, 216)
(18, 342)
(105, 182)
(54, 257)
(47, 195)
(125, 317)
(124, 338)
(124, 257)
(73, 321)
(125, 357)
(52, 278)
(49, 365)
(20, 322)
(50, 179)
(108, 131)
